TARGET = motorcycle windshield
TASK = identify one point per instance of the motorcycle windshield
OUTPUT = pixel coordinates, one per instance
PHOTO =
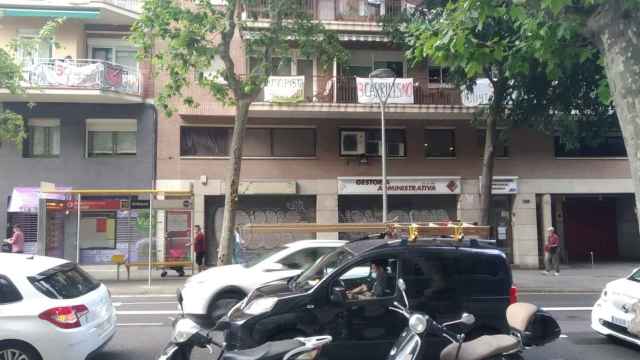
(406, 347)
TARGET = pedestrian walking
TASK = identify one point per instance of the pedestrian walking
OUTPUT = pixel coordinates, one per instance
(17, 240)
(552, 253)
(200, 248)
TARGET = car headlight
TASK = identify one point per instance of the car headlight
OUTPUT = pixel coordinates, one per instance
(260, 306)
(183, 330)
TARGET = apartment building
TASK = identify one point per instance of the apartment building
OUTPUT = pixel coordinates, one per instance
(318, 160)
(88, 127)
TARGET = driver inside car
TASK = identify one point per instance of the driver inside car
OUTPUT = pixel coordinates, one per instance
(374, 286)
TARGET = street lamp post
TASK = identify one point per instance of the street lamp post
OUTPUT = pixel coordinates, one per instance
(382, 101)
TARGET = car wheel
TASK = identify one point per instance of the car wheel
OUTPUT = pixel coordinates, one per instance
(222, 303)
(14, 350)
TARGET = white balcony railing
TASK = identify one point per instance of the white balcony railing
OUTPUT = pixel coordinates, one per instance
(88, 74)
(132, 5)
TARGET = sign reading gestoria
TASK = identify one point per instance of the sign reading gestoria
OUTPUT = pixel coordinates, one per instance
(503, 184)
(400, 91)
(409, 185)
(284, 89)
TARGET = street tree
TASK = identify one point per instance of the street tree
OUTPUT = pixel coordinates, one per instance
(182, 37)
(482, 39)
(12, 127)
(612, 28)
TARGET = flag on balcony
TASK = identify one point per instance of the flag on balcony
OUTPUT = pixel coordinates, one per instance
(397, 91)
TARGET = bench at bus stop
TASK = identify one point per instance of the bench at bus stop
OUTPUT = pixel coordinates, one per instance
(178, 265)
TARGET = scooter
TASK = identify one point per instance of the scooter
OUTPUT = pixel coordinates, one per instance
(529, 325)
(188, 335)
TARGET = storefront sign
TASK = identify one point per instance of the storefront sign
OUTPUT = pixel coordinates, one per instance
(26, 199)
(400, 91)
(139, 204)
(481, 94)
(172, 204)
(399, 185)
(504, 185)
(113, 204)
(284, 89)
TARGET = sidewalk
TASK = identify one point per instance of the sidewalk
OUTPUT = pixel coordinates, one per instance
(575, 278)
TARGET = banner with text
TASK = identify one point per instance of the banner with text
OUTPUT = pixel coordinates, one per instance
(398, 185)
(400, 91)
(284, 89)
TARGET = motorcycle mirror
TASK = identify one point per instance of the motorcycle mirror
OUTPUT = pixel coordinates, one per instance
(467, 319)
(401, 285)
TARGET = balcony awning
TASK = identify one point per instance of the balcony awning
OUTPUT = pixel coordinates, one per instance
(364, 37)
(30, 12)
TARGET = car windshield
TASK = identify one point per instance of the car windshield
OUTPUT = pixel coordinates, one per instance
(262, 256)
(321, 268)
(635, 276)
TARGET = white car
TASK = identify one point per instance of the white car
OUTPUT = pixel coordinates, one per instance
(210, 294)
(617, 312)
(50, 309)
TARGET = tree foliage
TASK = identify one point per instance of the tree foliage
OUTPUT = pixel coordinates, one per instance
(184, 38)
(493, 40)
(11, 78)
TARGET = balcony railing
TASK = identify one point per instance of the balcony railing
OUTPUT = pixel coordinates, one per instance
(343, 90)
(132, 5)
(87, 74)
(365, 11)
(260, 11)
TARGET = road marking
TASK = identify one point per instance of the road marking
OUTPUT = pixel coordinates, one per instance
(563, 336)
(142, 296)
(147, 312)
(568, 308)
(117, 304)
(559, 293)
(141, 324)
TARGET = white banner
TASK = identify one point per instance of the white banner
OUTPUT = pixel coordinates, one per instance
(284, 89)
(481, 94)
(399, 185)
(400, 91)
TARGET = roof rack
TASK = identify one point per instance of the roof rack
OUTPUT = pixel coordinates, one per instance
(456, 230)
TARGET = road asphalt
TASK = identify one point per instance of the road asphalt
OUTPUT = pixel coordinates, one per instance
(144, 326)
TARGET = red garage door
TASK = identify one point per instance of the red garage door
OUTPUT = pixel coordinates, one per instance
(590, 225)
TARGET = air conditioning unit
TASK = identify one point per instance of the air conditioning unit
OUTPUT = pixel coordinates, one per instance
(352, 143)
(396, 149)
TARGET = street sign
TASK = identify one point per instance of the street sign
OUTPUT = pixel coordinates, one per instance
(139, 204)
(172, 204)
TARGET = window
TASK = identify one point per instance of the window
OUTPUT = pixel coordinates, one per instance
(30, 53)
(371, 279)
(438, 75)
(111, 137)
(439, 143)
(610, 146)
(116, 51)
(501, 148)
(66, 281)
(302, 259)
(395, 138)
(395, 66)
(43, 138)
(8, 292)
(258, 142)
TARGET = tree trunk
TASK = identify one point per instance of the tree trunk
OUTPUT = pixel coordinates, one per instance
(488, 160)
(232, 181)
(618, 36)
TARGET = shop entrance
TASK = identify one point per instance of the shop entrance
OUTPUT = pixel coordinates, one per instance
(590, 225)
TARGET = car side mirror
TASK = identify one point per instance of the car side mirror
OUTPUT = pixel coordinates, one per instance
(338, 295)
(275, 267)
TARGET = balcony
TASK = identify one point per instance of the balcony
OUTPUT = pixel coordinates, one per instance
(80, 80)
(337, 97)
(366, 10)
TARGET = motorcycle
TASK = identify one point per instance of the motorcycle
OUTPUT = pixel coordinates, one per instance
(529, 325)
(188, 335)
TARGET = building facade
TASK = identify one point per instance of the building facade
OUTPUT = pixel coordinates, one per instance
(88, 126)
(318, 160)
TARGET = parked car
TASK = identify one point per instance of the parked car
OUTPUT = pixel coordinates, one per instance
(51, 309)
(210, 294)
(443, 278)
(617, 311)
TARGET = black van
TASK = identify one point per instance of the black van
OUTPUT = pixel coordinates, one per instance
(443, 278)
